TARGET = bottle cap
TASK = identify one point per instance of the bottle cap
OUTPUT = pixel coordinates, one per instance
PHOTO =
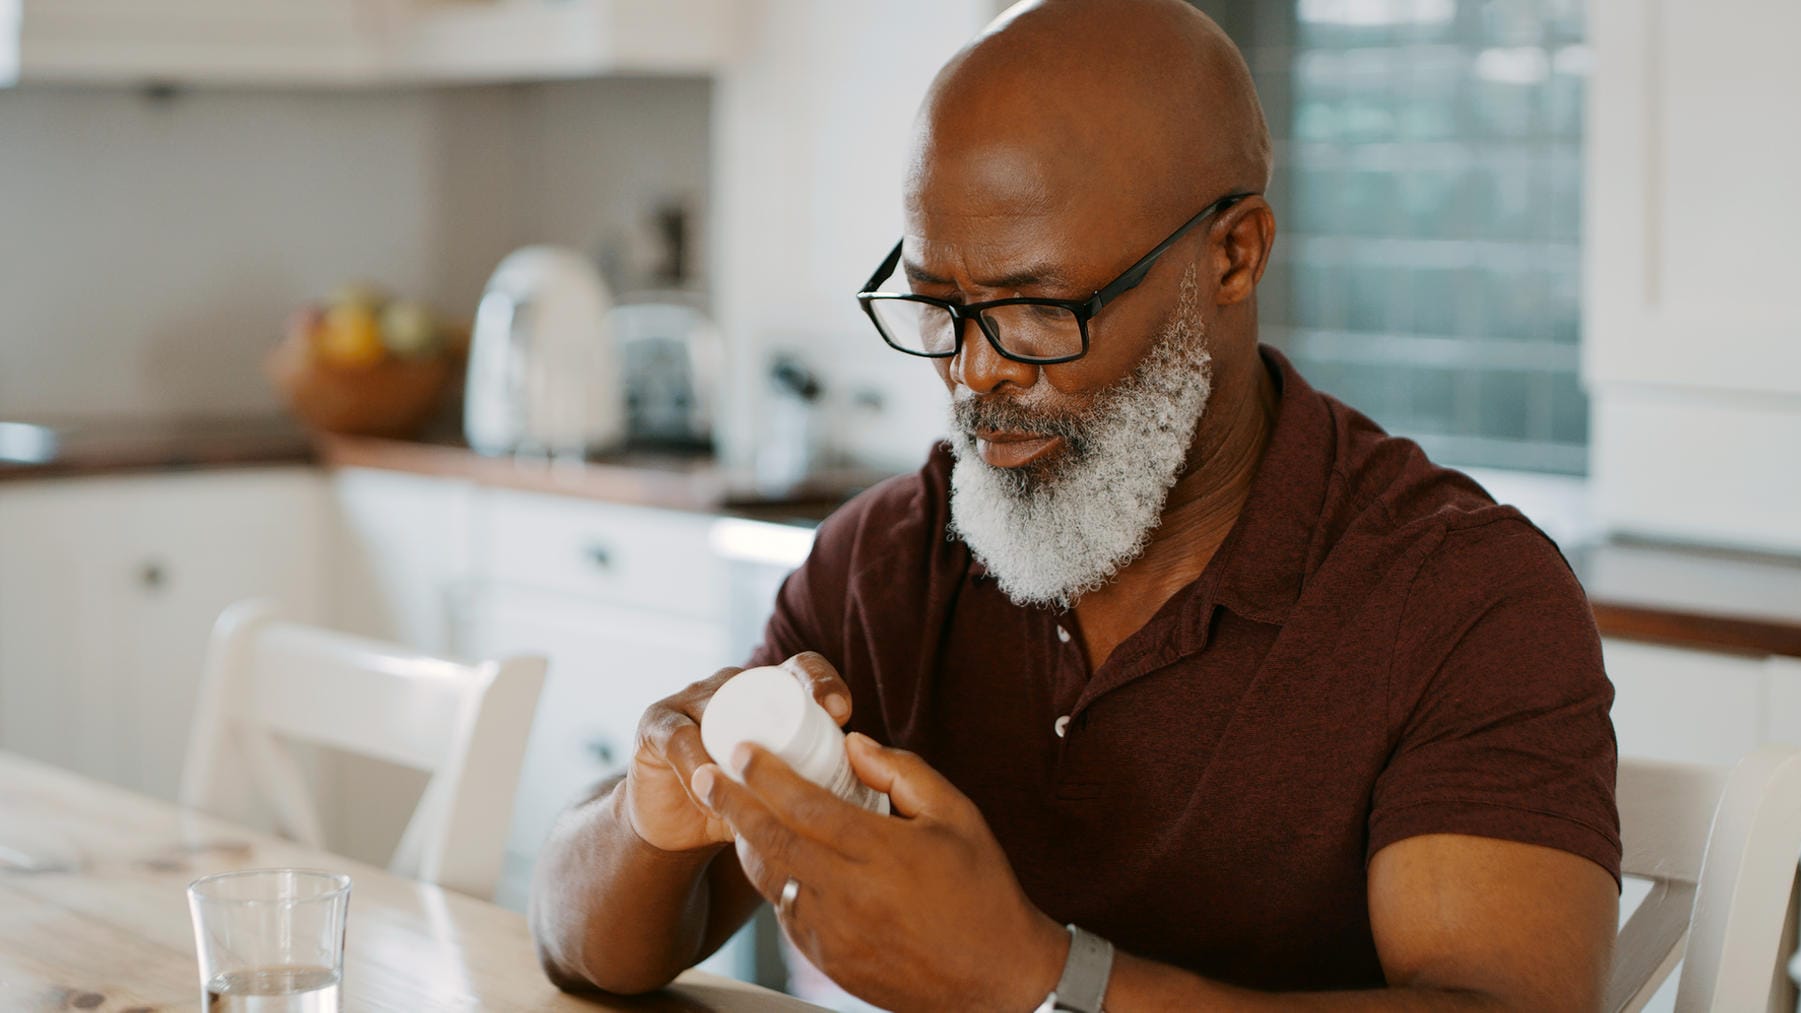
(767, 706)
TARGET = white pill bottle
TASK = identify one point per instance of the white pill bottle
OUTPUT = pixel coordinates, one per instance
(772, 708)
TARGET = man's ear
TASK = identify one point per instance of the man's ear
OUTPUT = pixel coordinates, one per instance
(1246, 232)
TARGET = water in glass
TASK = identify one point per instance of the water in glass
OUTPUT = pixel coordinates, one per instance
(274, 990)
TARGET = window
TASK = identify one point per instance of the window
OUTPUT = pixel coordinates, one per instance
(1429, 169)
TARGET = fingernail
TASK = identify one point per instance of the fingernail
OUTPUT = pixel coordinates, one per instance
(837, 706)
(703, 782)
(741, 757)
(859, 740)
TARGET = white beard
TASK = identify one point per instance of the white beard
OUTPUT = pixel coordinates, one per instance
(1052, 535)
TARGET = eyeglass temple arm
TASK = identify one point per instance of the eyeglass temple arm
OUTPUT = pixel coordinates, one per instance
(888, 265)
(1135, 274)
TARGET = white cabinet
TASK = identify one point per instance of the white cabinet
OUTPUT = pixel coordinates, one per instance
(1691, 706)
(402, 547)
(1692, 334)
(108, 592)
(628, 604)
(1686, 706)
(607, 664)
(656, 560)
(1783, 714)
(360, 42)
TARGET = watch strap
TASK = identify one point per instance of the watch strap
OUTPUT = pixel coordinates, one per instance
(1085, 973)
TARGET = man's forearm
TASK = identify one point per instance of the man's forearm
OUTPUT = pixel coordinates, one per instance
(1138, 984)
(609, 911)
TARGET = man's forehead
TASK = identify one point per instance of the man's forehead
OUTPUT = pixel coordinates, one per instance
(1013, 224)
(1002, 258)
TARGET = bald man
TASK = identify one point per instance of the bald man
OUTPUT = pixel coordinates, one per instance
(1190, 687)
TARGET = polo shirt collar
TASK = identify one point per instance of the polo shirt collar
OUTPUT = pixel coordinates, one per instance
(1278, 537)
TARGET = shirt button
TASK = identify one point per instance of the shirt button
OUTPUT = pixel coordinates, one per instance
(1061, 726)
(1062, 634)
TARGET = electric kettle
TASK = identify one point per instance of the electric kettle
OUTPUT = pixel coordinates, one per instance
(544, 371)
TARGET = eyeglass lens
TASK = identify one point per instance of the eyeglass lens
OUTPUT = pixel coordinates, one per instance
(1027, 330)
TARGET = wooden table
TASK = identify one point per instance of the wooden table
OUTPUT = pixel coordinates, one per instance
(93, 916)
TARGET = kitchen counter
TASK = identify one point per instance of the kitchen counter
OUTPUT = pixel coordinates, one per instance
(109, 447)
(695, 483)
(1709, 599)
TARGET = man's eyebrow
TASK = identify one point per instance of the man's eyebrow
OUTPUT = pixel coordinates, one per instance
(1048, 275)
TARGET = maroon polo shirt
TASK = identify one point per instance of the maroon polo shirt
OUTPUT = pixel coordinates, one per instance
(1376, 651)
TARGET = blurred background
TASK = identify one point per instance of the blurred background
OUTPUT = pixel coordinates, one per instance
(259, 338)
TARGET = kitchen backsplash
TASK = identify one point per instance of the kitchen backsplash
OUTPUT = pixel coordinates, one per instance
(165, 237)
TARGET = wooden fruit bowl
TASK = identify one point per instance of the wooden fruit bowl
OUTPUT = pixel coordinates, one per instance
(393, 398)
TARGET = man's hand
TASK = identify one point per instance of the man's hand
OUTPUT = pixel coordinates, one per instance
(658, 785)
(916, 912)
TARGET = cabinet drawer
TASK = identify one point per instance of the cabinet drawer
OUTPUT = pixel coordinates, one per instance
(648, 559)
(1686, 706)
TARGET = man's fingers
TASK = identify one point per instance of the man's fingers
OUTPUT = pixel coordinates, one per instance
(685, 754)
(768, 849)
(914, 788)
(803, 806)
(827, 685)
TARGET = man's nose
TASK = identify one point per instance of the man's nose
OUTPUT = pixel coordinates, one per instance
(979, 367)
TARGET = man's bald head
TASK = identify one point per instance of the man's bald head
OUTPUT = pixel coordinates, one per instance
(1050, 155)
(1145, 104)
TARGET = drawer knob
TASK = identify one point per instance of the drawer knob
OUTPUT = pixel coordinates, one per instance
(602, 751)
(153, 575)
(600, 556)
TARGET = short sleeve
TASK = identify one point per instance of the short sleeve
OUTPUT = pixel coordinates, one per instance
(1499, 702)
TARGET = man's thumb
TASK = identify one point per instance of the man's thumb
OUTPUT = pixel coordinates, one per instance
(910, 784)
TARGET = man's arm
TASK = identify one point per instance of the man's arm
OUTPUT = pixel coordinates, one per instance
(922, 911)
(1460, 923)
(611, 912)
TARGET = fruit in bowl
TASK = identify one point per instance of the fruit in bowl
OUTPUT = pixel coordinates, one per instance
(365, 364)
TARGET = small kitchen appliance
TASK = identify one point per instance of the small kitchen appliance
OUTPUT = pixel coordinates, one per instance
(671, 352)
(545, 375)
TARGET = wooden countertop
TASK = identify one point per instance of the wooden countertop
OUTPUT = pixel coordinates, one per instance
(1706, 599)
(93, 915)
(634, 478)
(94, 447)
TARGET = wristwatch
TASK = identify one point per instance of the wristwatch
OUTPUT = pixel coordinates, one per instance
(1085, 974)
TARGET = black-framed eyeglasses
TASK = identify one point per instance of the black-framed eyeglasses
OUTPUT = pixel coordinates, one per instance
(1038, 331)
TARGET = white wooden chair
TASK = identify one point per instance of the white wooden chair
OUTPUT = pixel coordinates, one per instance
(1720, 848)
(465, 725)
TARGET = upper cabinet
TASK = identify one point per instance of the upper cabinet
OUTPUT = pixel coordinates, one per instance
(352, 43)
(1692, 341)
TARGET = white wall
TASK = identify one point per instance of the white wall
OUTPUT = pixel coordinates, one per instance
(810, 133)
(150, 249)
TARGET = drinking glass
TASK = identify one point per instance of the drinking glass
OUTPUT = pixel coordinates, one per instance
(270, 940)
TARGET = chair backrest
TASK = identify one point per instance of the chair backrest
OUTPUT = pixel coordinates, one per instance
(269, 682)
(1720, 849)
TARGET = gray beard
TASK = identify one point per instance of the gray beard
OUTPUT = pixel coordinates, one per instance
(1051, 534)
